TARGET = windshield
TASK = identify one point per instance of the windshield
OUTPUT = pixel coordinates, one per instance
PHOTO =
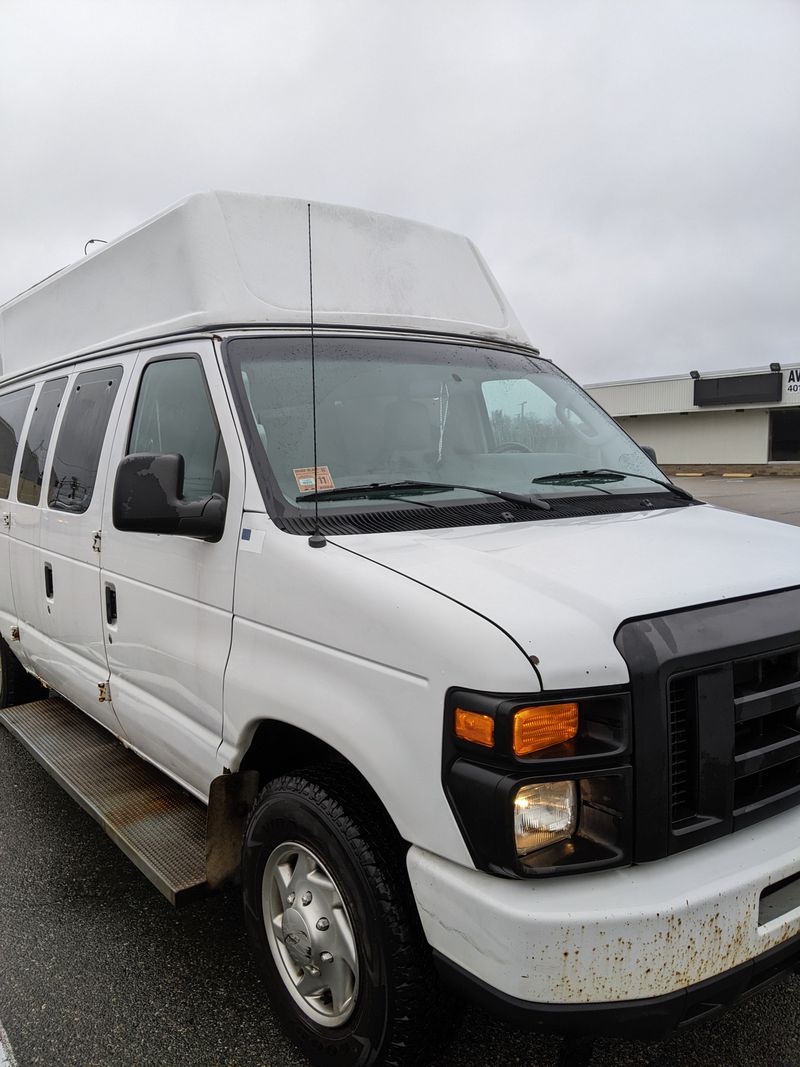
(393, 411)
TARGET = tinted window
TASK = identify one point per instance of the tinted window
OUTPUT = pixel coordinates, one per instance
(13, 408)
(80, 439)
(44, 416)
(174, 415)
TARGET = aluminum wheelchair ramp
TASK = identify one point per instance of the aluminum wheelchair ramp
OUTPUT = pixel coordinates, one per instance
(156, 824)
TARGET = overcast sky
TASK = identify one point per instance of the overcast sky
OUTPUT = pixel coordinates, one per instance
(631, 170)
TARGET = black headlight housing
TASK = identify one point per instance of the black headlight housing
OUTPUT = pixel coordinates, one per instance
(481, 782)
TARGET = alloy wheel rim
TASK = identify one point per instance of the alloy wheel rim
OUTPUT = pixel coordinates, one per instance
(310, 934)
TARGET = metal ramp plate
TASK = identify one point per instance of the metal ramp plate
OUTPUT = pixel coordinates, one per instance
(156, 824)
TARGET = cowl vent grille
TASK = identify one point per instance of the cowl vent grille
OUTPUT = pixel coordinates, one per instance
(443, 516)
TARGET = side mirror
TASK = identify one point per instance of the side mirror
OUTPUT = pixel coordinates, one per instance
(649, 452)
(148, 498)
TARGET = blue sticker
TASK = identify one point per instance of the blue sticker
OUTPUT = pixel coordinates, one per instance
(245, 535)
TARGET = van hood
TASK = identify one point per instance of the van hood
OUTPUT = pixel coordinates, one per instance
(562, 587)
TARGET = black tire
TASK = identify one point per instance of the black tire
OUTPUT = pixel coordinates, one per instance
(16, 685)
(395, 1018)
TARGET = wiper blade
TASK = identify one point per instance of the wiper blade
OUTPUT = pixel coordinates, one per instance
(574, 476)
(390, 488)
(609, 474)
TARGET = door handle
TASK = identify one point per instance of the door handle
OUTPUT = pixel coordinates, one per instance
(111, 605)
(48, 581)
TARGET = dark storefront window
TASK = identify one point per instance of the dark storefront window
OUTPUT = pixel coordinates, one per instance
(784, 435)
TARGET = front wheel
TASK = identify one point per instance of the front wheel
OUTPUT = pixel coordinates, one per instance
(330, 915)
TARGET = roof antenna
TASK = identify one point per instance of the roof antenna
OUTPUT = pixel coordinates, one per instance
(317, 538)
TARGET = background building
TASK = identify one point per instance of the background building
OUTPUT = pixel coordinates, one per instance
(727, 418)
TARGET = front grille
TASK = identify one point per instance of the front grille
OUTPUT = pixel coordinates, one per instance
(715, 695)
(750, 709)
(683, 749)
(766, 693)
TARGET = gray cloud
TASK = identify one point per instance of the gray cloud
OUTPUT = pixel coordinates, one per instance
(630, 170)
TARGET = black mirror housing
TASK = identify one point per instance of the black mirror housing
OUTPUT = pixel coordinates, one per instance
(148, 498)
(649, 452)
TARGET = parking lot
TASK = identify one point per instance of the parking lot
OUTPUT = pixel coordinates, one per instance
(772, 498)
(96, 970)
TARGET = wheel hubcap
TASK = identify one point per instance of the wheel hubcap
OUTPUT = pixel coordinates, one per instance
(310, 934)
(296, 938)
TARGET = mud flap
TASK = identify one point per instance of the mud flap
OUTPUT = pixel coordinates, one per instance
(229, 801)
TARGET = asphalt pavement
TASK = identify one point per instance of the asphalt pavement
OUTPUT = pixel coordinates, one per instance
(771, 498)
(97, 970)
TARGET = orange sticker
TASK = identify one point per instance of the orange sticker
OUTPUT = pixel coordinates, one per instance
(304, 476)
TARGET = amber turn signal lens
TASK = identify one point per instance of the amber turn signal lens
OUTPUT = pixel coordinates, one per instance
(538, 728)
(471, 726)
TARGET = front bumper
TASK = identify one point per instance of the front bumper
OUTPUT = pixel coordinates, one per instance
(651, 1018)
(599, 943)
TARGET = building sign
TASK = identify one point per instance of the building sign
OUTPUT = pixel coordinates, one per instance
(737, 389)
(793, 381)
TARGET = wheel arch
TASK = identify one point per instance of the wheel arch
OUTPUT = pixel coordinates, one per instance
(275, 748)
(278, 747)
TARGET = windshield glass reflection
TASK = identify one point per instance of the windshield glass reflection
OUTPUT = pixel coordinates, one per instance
(392, 410)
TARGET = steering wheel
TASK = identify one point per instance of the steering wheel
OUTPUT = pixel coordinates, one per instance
(512, 446)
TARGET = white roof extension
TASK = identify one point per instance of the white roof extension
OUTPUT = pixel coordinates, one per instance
(230, 259)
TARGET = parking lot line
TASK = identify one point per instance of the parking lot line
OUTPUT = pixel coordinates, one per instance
(6, 1052)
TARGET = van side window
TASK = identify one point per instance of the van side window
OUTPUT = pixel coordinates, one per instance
(13, 409)
(33, 455)
(174, 415)
(80, 439)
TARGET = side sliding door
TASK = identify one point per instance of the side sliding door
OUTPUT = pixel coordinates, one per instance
(169, 597)
(13, 411)
(63, 598)
(25, 503)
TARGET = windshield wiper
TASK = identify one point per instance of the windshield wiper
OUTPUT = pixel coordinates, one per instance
(611, 475)
(391, 488)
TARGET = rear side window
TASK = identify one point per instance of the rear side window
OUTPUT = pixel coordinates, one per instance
(13, 409)
(174, 415)
(80, 439)
(33, 456)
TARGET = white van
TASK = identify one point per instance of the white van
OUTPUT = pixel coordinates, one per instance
(489, 701)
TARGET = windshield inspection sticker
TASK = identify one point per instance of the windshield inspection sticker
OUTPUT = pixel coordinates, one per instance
(304, 476)
(250, 541)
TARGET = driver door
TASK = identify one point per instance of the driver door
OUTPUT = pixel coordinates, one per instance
(168, 598)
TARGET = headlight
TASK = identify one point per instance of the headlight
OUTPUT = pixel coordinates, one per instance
(541, 784)
(544, 813)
